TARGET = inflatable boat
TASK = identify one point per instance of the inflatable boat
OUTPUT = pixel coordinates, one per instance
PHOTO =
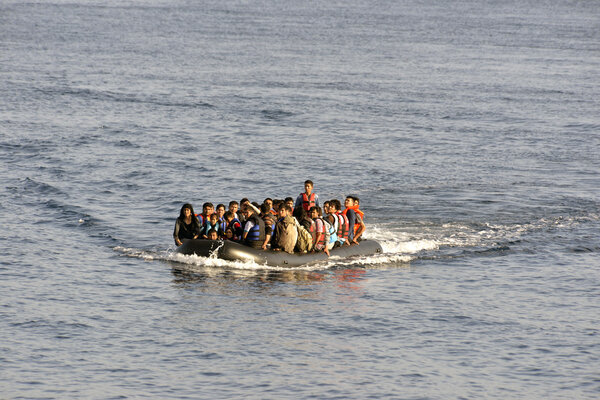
(232, 251)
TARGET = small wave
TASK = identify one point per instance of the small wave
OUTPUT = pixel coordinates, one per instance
(401, 245)
(191, 261)
(122, 97)
(40, 187)
(276, 114)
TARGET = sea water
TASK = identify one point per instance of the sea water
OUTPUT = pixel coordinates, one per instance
(469, 130)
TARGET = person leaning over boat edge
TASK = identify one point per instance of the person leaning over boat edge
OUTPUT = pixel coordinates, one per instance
(308, 198)
(187, 225)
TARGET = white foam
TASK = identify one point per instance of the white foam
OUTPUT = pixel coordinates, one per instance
(400, 245)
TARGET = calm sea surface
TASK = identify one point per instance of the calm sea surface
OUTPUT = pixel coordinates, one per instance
(469, 129)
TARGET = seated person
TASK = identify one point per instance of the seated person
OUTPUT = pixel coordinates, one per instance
(212, 223)
(234, 225)
(233, 207)
(342, 221)
(207, 210)
(356, 226)
(285, 233)
(320, 233)
(303, 219)
(290, 202)
(186, 225)
(212, 235)
(221, 212)
(254, 230)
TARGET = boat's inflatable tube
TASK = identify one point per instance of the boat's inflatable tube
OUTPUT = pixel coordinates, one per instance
(232, 251)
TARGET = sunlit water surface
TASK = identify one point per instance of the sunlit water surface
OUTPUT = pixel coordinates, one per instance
(469, 129)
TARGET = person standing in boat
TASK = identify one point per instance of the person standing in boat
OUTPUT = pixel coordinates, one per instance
(254, 229)
(307, 199)
(187, 225)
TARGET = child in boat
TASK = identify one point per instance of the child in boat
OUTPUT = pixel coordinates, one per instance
(186, 225)
(211, 224)
(213, 235)
(307, 199)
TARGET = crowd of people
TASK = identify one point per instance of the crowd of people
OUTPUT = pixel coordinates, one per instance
(282, 225)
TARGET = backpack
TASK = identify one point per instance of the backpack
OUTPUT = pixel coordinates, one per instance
(304, 242)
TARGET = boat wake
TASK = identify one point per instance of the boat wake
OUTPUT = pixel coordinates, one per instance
(401, 245)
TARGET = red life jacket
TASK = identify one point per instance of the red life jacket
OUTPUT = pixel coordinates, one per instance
(316, 233)
(343, 226)
(306, 202)
(313, 231)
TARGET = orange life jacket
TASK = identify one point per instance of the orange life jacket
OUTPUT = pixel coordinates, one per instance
(356, 210)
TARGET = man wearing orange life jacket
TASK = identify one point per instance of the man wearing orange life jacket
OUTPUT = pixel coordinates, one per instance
(355, 219)
(307, 199)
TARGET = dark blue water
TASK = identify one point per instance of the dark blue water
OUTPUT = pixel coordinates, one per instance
(469, 129)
